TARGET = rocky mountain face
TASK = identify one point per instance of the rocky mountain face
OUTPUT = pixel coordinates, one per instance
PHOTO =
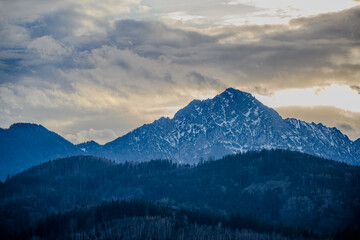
(357, 144)
(232, 122)
(24, 145)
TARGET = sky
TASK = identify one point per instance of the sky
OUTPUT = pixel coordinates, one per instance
(99, 69)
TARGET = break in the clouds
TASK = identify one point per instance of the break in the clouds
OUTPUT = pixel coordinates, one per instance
(98, 69)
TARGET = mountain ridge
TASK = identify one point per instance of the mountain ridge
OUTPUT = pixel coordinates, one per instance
(24, 145)
(231, 122)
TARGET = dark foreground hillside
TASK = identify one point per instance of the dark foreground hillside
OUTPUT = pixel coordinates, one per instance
(142, 220)
(279, 188)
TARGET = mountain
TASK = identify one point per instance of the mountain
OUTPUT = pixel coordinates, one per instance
(23, 145)
(357, 144)
(90, 145)
(232, 122)
(277, 187)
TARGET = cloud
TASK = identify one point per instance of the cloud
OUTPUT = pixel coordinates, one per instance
(345, 127)
(198, 13)
(49, 49)
(30, 10)
(204, 81)
(102, 136)
(307, 53)
(155, 34)
(13, 36)
(357, 88)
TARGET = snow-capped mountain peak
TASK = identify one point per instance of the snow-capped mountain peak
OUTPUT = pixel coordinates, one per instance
(231, 122)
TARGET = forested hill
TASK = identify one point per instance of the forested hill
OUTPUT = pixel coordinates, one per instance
(278, 187)
(24, 145)
(143, 220)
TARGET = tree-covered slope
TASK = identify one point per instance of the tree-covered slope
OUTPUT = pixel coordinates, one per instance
(278, 187)
(142, 220)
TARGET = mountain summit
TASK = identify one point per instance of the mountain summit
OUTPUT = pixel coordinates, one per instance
(231, 122)
(24, 145)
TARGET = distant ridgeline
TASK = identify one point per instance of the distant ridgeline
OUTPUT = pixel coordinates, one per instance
(277, 188)
(231, 122)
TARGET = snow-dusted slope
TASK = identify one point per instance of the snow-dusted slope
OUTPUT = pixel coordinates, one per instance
(231, 122)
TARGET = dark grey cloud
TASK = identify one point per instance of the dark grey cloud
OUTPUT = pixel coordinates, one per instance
(131, 32)
(202, 81)
(304, 53)
(318, 51)
(329, 26)
(345, 127)
(59, 24)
